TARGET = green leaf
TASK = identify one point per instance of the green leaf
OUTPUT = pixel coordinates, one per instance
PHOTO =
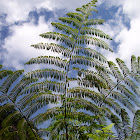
(59, 37)
(8, 82)
(94, 22)
(94, 31)
(66, 29)
(83, 39)
(48, 60)
(53, 47)
(22, 127)
(74, 21)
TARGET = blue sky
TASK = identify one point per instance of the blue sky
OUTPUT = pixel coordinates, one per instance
(22, 21)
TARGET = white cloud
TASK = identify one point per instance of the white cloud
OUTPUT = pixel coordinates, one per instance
(128, 39)
(110, 3)
(18, 10)
(18, 50)
(132, 8)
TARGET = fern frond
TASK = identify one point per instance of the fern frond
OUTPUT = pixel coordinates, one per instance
(92, 79)
(82, 10)
(94, 31)
(86, 9)
(112, 104)
(0, 66)
(90, 53)
(43, 132)
(94, 22)
(25, 100)
(126, 123)
(5, 73)
(5, 108)
(8, 82)
(117, 123)
(32, 109)
(78, 16)
(48, 60)
(65, 28)
(89, 9)
(19, 87)
(123, 100)
(134, 64)
(132, 85)
(7, 134)
(74, 21)
(55, 128)
(32, 134)
(136, 77)
(115, 70)
(123, 67)
(92, 2)
(41, 97)
(3, 98)
(60, 75)
(136, 126)
(109, 81)
(79, 103)
(47, 85)
(84, 92)
(87, 61)
(127, 93)
(11, 119)
(94, 41)
(81, 117)
(22, 126)
(59, 37)
(50, 113)
(53, 47)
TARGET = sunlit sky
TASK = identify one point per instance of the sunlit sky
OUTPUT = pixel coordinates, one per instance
(21, 22)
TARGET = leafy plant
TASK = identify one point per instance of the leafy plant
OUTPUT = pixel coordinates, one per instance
(103, 134)
(86, 90)
(14, 109)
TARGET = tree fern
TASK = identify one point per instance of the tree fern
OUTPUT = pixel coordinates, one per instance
(79, 98)
(86, 90)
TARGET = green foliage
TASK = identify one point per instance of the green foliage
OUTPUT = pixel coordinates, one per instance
(103, 134)
(85, 91)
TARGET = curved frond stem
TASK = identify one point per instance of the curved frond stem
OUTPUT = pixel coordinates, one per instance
(110, 91)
